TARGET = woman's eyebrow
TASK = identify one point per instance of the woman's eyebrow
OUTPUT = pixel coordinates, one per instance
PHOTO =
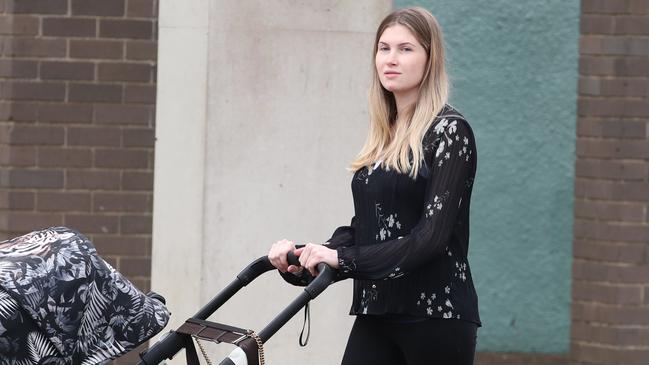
(400, 44)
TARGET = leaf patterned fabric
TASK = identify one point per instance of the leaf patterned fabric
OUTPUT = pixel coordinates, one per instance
(60, 303)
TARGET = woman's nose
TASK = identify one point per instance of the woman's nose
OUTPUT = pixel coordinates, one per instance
(392, 58)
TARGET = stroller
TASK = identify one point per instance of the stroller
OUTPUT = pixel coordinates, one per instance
(249, 350)
(60, 303)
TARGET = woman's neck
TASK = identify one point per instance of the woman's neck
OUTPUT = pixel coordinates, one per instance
(403, 103)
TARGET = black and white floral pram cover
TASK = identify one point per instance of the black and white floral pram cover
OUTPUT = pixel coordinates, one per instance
(60, 303)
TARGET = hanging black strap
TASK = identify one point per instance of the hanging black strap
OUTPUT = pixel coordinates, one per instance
(190, 351)
(307, 323)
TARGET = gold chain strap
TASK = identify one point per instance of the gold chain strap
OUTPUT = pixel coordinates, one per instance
(260, 346)
(207, 359)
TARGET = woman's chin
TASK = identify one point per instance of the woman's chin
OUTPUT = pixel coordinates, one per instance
(390, 88)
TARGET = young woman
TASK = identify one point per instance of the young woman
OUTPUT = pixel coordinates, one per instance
(406, 247)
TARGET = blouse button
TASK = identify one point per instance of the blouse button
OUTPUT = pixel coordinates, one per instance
(373, 286)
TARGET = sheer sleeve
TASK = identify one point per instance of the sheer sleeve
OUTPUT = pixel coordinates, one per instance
(343, 236)
(451, 160)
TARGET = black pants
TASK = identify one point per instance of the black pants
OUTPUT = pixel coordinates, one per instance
(376, 341)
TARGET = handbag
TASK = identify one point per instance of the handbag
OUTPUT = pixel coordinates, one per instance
(199, 329)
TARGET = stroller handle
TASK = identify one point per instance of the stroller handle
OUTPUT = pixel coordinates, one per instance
(168, 346)
(318, 284)
(292, 259)
(171, 343)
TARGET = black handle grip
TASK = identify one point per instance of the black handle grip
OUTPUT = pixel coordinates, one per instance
(166, 348)
(292, 259)
(326, 276)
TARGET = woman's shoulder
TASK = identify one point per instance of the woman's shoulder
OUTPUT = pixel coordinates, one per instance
(449, 128)
(448, 118)
(449, 112)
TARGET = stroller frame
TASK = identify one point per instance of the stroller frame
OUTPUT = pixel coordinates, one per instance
(174, 341)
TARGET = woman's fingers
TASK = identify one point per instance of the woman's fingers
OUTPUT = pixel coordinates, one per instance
(274, 254)
(278, 252)
(311, 255)
(303, 256)
(298, 252)
(284, 247)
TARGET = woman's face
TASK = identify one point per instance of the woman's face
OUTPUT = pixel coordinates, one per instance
(400, 61)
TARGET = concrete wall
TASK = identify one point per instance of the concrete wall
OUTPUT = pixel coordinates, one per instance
(179, 159)
(261, 105)
(513, 65)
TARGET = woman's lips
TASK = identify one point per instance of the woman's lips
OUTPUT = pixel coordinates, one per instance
(391, 75)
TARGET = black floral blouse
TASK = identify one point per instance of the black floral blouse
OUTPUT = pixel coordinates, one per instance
(406, 247)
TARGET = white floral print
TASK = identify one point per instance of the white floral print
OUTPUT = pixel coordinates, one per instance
(367, 296)
(447, 132)
(429, 303)
(460, 270)
(440, 149)
(396, 273)
(439, 128)
(387, 224)
(363, 175)
(437, 204)
(346, 266)
(448, 303)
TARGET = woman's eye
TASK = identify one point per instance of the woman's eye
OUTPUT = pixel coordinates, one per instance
(406, 49)
(384, 48)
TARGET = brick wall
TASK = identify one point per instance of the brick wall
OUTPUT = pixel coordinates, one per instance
(77, 105)
(610, 307)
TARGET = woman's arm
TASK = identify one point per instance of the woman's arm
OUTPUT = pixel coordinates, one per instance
(342, 236)
(453, 168)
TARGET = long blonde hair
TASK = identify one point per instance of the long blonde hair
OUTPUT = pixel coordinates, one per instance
(402, 150)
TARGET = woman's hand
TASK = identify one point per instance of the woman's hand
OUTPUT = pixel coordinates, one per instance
(311, 255)
(277, 256)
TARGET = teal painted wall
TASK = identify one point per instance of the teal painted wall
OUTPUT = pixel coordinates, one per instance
(513, 65)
